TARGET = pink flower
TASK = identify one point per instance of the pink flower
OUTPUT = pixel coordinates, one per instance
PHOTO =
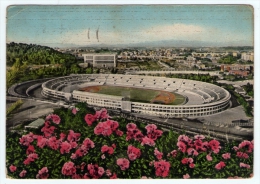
(147, 141)
(89, 118)
(107, 149)
(114, 146)
(102, 114)
(182, 146)
(101, 171)
(108, 172)
(186, 176)
(41, 141)
(104, 128)
(48, 117)
(208, 157)
(220, 165)
(119, 133)
(247, 145)
(103, 156)
(68, 169)
(88, 143)
(184, 138)
(74, 111)
(133, 152)
(123, 163)
(199, 145)
(55, 118)
(131, 126)
(95, 171)
(242, 155)
(192, 165)
(174, 153)
(199, 137)
(26, 139)
(62, 136)
(30, 149)
(150, 127)
(12, 168)
(22, 173)
(187, 161)
(154, 134)
(151, 163)
(72, 136)
(114, 176)
(53, 143)
(76, 176)
(162, 168)
(226, 156)
(113, 125)
(158, 154)
(82, 166)
(214, 146)
(47, 129)
(192, 151)
(138, 136)
(235, 148)
(65, 147)
(43, 173)
(83, 149)
(244, 165)
(107, 131)
(30, 158)
(73, 144)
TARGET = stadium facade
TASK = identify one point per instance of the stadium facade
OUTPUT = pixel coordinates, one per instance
(202, 99)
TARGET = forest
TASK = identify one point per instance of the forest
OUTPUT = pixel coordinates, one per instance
(29, 61)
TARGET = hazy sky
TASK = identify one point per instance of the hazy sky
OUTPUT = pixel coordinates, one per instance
(50, 25)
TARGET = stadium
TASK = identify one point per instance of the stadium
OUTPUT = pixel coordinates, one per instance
(157, 96)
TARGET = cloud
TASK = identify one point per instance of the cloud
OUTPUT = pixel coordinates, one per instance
(175, 31)
(187, 32)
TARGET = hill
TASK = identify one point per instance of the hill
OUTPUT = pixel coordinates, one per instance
(35, 54)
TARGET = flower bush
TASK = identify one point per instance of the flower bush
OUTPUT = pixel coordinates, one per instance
(82, 144)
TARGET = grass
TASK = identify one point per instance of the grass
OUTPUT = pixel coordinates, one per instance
(179, 99)
(13, 107)
(136, 94)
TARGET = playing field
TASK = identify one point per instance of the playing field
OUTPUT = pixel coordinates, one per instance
(138, 94)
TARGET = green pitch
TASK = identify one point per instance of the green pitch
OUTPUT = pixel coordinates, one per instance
(137, 94)
(132, 94)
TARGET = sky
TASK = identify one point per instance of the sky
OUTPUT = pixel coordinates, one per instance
(231, 25)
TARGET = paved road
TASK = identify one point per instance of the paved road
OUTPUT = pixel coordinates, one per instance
(240, 83)
(31, 109)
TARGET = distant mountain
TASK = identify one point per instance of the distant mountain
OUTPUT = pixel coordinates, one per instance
(162, 43)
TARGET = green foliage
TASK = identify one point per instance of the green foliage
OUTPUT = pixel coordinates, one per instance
(13, 107)
(35, 54)
(228, 60)
(29, 62)
(249, 88)
(197, 77)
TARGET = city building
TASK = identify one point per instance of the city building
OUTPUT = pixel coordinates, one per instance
(242, 73)
(225, 67)
(98, 60)
(247, 56)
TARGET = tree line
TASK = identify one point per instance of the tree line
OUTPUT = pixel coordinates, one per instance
(30, 61)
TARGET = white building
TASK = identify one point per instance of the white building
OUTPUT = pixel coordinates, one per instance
(247, 56)
(101, 60)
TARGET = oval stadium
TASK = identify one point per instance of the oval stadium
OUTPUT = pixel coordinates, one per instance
(157, 96)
